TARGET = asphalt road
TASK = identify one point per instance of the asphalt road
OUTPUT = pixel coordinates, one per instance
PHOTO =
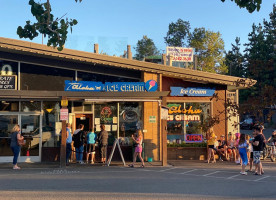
(208, 181)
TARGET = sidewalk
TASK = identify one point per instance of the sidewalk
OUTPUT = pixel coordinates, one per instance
(267, 164)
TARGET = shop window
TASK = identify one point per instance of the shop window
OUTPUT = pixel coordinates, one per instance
(35, 77)
(7, 122)
(130, 120)
(77, 106)
(106, 114)
(185, 121)
(30, 106)
(9, 106)
(87, 107)
(85, 76)
(51, 125)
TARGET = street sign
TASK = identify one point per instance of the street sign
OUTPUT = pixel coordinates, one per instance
(63, 114)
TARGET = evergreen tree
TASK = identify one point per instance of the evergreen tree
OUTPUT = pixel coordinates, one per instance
(145, 47)
(235, 60)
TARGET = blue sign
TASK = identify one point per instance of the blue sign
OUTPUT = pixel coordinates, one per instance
(90, 86)
(199, 92)
(151, 86)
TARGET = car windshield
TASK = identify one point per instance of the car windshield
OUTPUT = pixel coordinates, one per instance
(248, 121)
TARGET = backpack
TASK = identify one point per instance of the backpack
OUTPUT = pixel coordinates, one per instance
(77, 139)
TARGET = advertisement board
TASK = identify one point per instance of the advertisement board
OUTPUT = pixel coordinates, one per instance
(180, 54)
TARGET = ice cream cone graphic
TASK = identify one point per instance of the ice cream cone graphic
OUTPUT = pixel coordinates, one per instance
(152, 83)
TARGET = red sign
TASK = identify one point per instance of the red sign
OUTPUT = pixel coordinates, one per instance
(63, 114)
(193, 138)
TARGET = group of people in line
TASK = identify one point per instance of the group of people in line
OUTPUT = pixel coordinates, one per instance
(79, 138)
(240, 148)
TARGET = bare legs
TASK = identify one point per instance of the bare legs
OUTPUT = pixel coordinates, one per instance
(135, 154)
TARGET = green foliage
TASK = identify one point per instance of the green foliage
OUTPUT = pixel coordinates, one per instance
(235, 60)
(178, 33)
(145, 47)
(55, 29)
(261, 66)
(209, 46)
(250, 5)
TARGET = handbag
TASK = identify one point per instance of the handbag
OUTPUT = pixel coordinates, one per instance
(21, 142)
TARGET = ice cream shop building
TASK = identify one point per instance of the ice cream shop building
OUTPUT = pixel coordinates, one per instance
(168, 104)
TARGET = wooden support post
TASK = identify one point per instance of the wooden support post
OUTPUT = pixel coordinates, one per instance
(164, 59)
(164, 137)
(63, 141)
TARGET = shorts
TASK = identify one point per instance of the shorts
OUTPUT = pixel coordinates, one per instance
(103, 150)
(90, 148)
(251, 155)
(212, 147)
(256, 157)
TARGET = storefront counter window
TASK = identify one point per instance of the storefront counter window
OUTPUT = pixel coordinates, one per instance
(106, 114)
(130, 121)
(185, 121)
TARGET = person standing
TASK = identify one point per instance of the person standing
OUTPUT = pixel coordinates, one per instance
(212, 138)
(15, 136)
(90, 147)
(258, 146)
(138, 140)
(68, 143)
(103, 142)
(78, 138)
(243, 145)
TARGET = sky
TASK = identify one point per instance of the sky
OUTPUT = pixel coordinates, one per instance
(114, 24)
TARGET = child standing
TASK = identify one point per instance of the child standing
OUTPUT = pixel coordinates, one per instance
(91, 140)
(243, 145)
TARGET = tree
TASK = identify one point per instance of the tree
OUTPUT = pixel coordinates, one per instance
(235, 60)
(209, 47)
(261, 66)
(178, 33)
(55, 29)
(250, 5)
(145, 47)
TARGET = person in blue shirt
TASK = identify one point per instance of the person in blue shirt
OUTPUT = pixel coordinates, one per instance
(90, 147)
(68, 143)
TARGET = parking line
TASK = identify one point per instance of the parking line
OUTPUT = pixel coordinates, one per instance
(262, 178)
(167, 169)
(233, 176)
(189, 171)
(211, 173)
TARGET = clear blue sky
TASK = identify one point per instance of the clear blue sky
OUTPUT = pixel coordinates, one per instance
(115, 23)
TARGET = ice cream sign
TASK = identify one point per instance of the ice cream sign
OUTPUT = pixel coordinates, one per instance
(191, 91)
(89, 86)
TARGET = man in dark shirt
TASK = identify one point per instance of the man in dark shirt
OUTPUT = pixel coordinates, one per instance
(103, 142)
(258, 146)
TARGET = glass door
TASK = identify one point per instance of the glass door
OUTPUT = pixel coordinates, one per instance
(30, 129)
(7, 122)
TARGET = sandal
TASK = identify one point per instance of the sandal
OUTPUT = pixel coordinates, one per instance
(16, 168)
(142, 166)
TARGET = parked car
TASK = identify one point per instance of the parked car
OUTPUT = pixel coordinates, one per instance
(247, 124)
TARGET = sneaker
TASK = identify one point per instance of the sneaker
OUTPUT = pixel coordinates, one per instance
(220, 159)
(81, 162)
(16, 167)
(243, 173)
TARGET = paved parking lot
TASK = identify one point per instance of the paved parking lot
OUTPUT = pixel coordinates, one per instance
(207, 181)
